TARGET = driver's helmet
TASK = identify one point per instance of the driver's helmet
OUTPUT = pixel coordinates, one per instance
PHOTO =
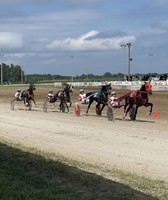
(51, 92)
(113, 93)
(81, 90)
(19, 90)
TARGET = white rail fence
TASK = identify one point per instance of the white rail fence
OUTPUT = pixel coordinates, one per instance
(131, 85)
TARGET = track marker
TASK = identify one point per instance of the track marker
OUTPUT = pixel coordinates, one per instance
(156, 114)
(77, 109)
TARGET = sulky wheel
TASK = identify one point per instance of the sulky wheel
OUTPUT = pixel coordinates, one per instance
(29, 105)
(110, 113)
(45, 106)
(132, 113)
(12, 104)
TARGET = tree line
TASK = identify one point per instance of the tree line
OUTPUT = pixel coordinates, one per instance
(12, 73)
(15, 74)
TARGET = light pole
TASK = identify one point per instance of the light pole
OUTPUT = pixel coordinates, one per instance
(1, 56)
(124, 45)
(72, 57)
(129, 57)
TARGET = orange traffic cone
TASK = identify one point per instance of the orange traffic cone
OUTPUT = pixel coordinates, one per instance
(156, 114)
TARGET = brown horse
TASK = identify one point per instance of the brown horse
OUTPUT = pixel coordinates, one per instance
(134, 100)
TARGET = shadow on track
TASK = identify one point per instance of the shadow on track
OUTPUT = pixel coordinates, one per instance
(137, 120)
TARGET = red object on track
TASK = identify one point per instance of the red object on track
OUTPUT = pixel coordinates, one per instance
(77, 110)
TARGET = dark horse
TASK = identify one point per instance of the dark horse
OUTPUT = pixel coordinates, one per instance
(134, 100)
(28, 95)
(100, 97)
(64, 97)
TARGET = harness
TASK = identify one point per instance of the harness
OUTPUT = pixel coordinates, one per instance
(100, 94)
(62, 94)
(138, 94)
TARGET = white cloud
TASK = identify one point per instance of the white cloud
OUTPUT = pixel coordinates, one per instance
(10, 40)
(81, 43)
(89, 34)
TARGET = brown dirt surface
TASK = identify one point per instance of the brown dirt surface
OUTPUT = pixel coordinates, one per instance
(139, 146)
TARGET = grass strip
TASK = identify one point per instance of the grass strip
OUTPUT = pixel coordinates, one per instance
(30, 174)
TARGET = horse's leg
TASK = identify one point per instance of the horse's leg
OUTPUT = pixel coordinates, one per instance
(151, 107)
(97, 105)
(98, 108)
(136, 110)
(55, 98)
(102, 108)
(34, 101)
(60, 105)
(53, 105)
(90, 102)
(69, 102)
(67, 107)
(25, 100)
(125, 106)
(127, 110)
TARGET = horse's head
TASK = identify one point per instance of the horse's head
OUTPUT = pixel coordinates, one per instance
(31, 89)
(106, 88)
(147, 87)
(69, 88)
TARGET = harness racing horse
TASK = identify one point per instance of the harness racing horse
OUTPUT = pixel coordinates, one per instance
(100, 97)
(134, 100)
(28, 96)
(64, 97)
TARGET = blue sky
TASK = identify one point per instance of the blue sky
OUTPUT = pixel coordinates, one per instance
(74, 37)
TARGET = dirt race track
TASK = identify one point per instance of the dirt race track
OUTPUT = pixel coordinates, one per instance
(140, 147)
